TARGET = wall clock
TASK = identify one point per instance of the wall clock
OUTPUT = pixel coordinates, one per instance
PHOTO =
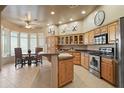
(99, 18)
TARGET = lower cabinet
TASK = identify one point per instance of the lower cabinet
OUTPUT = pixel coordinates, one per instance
(85, 60)
(65, 72)
(77, 57)
(108, 70)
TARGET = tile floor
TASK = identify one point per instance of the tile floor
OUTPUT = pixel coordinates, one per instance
(39, 77)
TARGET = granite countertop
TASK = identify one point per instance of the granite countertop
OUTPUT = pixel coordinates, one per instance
(65, 56)
(48, 53)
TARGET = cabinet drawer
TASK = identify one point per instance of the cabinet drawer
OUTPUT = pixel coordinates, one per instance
(76, 54)
(106, 60)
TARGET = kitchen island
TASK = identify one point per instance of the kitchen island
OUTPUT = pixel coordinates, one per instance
(56, 59)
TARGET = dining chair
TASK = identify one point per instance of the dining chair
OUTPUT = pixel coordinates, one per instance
(38, 58)
(19, 59)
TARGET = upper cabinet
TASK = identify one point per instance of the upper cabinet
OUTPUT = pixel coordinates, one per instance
(75, 39)
(81, 39)
(97, 32)
(86, 38)
(112, 28)
(52, 43)
(91, 37)
(104, 30)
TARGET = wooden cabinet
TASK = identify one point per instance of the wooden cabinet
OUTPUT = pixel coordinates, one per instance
(103, 30)
(107, 70)
(66, 40)
(85, 60)
(75, 39)
(77, 58)
(71, 40)
(65, 71)
(112, 28)
(97, 32)
(80, 39)
(91, 37)
(52, 43)
(86, 38)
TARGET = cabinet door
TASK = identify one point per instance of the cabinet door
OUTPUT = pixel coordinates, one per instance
(69, 70)
(77, 58)
(86, 62)
(91, 37)
(52, 42)
(82, 59)
(81, 39)
(62, 73)
(97, 32)
(107, 70)
(104, 70)
(110, 73)
(104, 30)
(112, 32)
(86, 37)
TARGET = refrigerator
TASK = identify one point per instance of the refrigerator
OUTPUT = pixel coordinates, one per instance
(119, 57)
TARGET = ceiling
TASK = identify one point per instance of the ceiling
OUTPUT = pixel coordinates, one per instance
(41, 13)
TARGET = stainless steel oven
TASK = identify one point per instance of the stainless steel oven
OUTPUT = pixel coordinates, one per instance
(95, 65)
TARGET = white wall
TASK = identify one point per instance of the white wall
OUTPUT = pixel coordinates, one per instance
(112, 13)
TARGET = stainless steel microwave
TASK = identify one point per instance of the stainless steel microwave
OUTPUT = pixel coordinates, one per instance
(101, 39)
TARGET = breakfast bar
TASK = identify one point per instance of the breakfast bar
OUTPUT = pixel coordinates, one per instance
(55, 59)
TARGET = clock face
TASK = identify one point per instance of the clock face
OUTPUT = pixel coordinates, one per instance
(99, 18)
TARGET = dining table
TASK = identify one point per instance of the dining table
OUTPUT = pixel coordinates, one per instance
(29, 57)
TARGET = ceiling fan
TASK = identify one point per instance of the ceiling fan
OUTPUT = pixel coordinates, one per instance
(29, 22)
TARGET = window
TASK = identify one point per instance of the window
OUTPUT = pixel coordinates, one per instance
(41, 40)
(13, 39)
(24, 42)
(5, 42)
(14, 42)
(33, 42)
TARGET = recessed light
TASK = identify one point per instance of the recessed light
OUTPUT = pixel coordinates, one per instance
(71, 19)
(83, 12)
(52, 12)
(60, 22)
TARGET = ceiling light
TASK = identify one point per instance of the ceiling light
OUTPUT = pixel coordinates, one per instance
(48, 24)
(83, 12)
(71, 19)
(52, 13)
(60, 22)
